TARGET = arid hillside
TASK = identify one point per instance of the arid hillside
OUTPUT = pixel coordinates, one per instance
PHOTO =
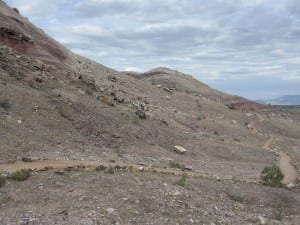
(109, 147)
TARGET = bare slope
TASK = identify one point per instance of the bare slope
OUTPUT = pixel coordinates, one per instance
(59, 106)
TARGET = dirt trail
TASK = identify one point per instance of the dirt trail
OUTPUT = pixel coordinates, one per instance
(289, 171)
(290, 174)
(252, 127)
(60, 165)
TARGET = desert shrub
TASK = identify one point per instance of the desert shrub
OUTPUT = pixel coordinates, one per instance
(5, 104)
(175, 164)
(182, 180)
(2, 180)
(272, 176)
(21, 175)
(109, 170)
(200, 117)
(65, 115)
(88, 91)
(216, 133)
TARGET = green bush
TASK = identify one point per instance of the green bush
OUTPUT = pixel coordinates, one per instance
(175, 164)
(88, 91)
(272, 176)
(2, 180)
(182, 180)
(21, 175)
(200, 117)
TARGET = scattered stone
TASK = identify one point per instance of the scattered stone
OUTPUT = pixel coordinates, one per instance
(108, 100)
(290, 185)
(179, 149)
(164, 122)
(175, 193)
(59, 172)
(219, 179)
(262, 220)
(100, 168)
(159, 86)
(141, 114)
(141, 169)
(112, 78)
(19, 121)
(88, 81)
(116, 136)
(38, 79)
(168, 97)
(86, 221)
(26, 159)
(38, 64)
(188, 168)
(167, 90)
(110, 211)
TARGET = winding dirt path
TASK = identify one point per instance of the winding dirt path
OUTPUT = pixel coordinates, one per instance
(290, 174)
(284, 162)
(61, 165)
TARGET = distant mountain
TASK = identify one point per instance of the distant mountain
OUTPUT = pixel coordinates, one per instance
(283, 100)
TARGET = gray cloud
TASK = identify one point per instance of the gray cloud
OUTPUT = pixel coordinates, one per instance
(216, 41)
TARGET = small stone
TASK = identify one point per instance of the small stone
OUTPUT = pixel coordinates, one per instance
(87, 221)
(262, 220)
(59, 172)
(290, 185)
(100, 168)
(19, 121)
(110, 210)
(175, 193)
(141, 169)
(112, 78)
(159, 86)
(188, 168)
(26, 159)
(116, 136)
(141, 114)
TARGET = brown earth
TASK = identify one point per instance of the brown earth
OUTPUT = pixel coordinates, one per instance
(60, 110)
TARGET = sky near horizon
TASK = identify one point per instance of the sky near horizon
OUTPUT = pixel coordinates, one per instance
(245, 47)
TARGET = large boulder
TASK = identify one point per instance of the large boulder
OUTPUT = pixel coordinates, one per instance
(179, 149)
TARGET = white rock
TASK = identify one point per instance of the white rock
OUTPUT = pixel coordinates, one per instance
(262, 220)
(19, 121)
(290, 185)
(179, 149)
(110, 210)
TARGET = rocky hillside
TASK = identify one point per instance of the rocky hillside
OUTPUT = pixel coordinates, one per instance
(61, 107)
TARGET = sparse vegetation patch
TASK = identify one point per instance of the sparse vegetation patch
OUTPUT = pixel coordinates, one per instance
(175, 164)
(21, 175)
(182, 180)
(2, 180)
(272, 176)
(5, 104)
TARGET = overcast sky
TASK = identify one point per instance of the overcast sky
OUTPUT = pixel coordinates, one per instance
(245, 47)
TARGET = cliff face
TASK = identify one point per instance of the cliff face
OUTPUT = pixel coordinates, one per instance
(18, 33)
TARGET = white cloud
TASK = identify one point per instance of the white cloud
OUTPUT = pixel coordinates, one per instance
(214, 40)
